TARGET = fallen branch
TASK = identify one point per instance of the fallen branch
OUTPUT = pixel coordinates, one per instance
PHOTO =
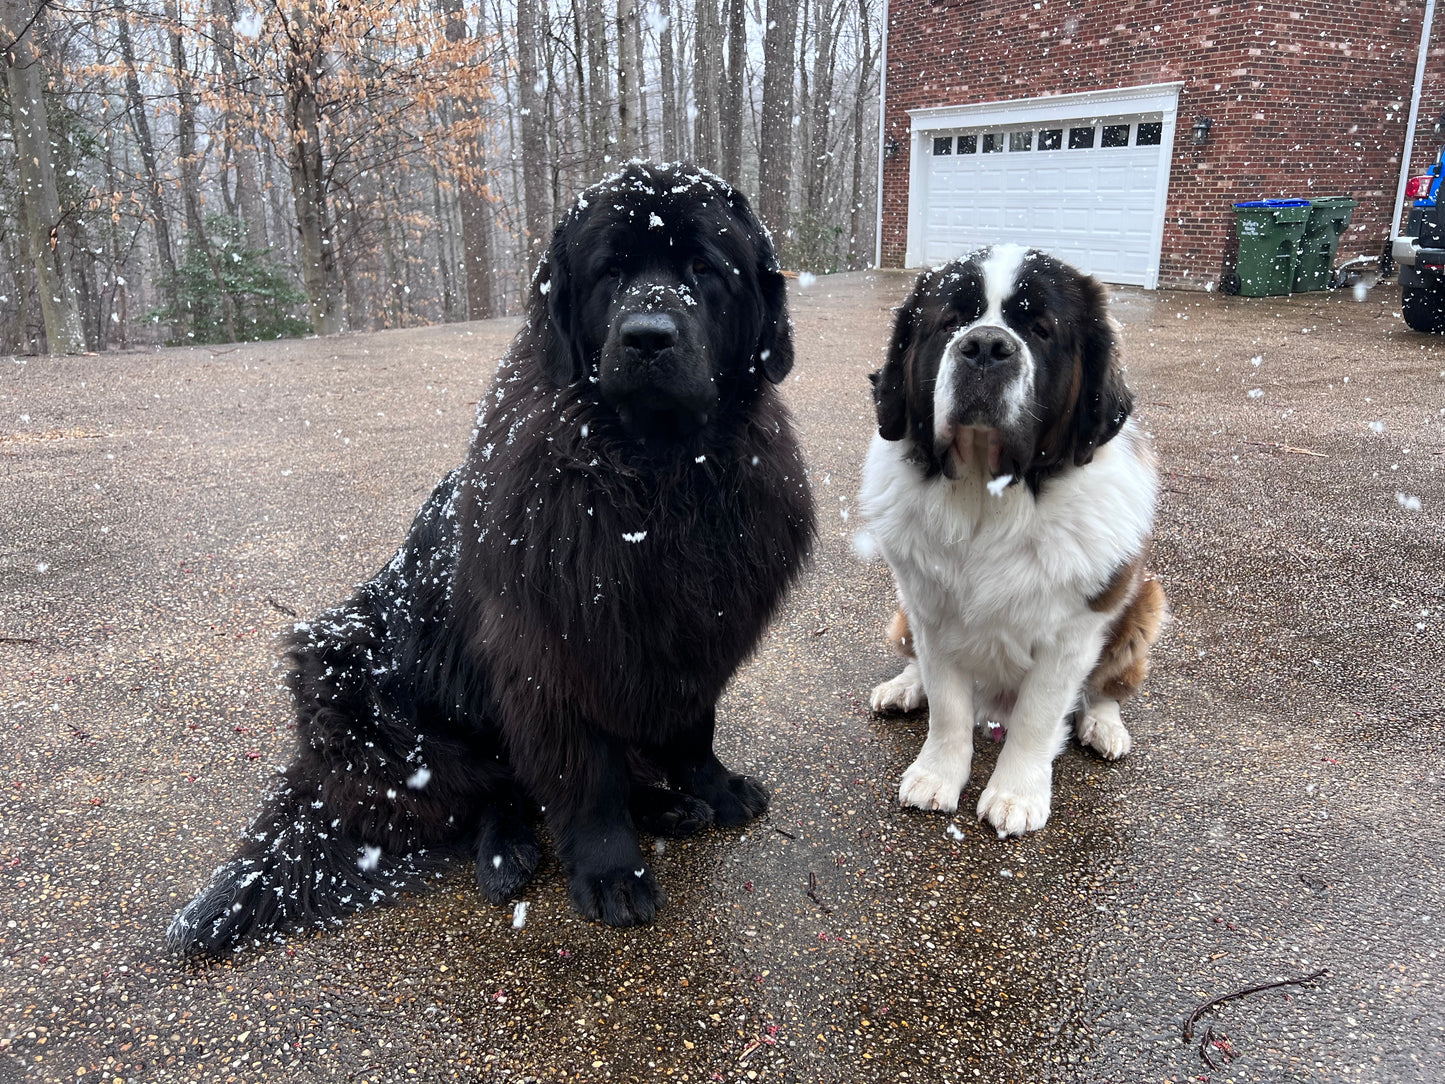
(1285, 448)
(1204, 1006)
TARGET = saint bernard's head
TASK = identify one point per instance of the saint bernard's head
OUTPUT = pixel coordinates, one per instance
(1005, 361)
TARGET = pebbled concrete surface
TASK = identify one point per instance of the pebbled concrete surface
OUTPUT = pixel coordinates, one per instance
(162, 514)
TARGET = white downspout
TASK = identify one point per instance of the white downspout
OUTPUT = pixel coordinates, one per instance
(1414, 114)
(882, 114)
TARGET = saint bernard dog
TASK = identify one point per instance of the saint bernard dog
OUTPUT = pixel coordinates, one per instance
(1013, 499)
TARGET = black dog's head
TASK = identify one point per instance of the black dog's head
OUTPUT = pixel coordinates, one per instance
(1009, 355)
(662, 289)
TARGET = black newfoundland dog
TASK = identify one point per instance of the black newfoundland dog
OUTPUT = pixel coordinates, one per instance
(552, 638)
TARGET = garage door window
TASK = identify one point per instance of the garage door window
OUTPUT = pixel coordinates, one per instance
(1021, 141)
(1081, 139)
(943, 145)
(992, 142)
(1051, 139)
(1115, 135)
(1151, 134)
(968, 144)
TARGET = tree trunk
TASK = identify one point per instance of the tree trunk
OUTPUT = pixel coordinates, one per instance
(671, 150)
(815, 170)
(305, 67)
(775, 153)
(599, 90)
(534, 134)
(170, 285)
(629, 82)
(473, 206)
(644, 139)
(250, 207)
(191, 169)
(865, 71)
(732, 95)
(39, 200)
(707, 59)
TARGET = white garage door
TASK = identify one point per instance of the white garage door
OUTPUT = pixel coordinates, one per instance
(1053, 173)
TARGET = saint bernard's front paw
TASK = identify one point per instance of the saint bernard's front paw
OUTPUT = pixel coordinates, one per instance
(901, 694)
(1102, 729)
(934, 782)
(1015, 804)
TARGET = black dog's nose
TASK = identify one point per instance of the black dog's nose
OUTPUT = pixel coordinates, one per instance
(649, 333)
(985, 347)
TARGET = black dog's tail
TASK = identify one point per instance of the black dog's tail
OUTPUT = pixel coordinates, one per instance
(295, 869)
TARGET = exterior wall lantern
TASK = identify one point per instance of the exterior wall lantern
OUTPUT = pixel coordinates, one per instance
(890, 149)
(1200, 130)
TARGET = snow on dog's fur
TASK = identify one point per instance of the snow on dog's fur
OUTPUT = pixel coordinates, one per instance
(1013, 500)
(551, 639)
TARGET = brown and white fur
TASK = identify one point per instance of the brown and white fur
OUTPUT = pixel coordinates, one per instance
(1013, 500)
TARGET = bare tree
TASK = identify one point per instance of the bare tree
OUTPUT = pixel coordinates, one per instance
(866, 60)
(707, 61)
(46, 238)
(671, 145)
(140, 124)
(534, 149)
(775, 141)
(732, 92)
(239, 142)
(629, 81)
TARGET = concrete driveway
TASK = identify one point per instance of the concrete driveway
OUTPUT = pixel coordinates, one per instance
(162, 516)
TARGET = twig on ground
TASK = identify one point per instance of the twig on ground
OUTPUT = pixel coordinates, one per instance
(287, 610)
(813, 893)
(1204, 1006)
(1285, 448)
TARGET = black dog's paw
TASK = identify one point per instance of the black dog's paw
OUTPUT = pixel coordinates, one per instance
(618, 897)
(660, 811)
(741, 799)
(507, 855)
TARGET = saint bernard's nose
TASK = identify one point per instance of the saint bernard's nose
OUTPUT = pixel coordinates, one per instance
(986, 347)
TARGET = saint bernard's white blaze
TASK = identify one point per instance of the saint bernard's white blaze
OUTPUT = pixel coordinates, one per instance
(1001, 269)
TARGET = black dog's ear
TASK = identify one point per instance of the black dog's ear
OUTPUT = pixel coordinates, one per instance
(550, 313)
(890, 383)
(775, 345)
(1105, 403)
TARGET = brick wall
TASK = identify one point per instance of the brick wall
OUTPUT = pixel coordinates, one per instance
(1308, 98)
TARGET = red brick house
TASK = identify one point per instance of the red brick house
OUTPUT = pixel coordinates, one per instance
(1119, 133)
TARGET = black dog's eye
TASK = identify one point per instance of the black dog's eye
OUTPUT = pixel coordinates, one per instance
(701, 267)
(614, 271)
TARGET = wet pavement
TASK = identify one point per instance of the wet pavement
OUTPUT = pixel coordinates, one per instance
(162, 516)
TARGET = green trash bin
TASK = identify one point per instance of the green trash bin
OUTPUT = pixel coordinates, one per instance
(1270, 231)
(1328, 220)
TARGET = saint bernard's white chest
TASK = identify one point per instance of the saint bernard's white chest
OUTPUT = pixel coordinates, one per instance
(989, 575)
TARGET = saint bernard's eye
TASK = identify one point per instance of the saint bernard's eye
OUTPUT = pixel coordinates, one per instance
(1042, 329)
(952, 321)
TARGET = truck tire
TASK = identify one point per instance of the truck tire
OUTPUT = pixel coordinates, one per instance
(1424, 307)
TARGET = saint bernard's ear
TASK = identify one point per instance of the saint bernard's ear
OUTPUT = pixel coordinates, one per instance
(890, 383)
(1104, 403)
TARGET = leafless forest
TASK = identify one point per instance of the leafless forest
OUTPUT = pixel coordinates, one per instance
(210, 171)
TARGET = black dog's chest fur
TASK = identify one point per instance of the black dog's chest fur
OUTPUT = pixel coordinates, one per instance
(578, 548)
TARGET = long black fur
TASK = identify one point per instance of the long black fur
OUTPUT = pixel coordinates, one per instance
(552, 638)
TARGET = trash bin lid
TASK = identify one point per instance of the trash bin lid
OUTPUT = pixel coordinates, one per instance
(1272, 204)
